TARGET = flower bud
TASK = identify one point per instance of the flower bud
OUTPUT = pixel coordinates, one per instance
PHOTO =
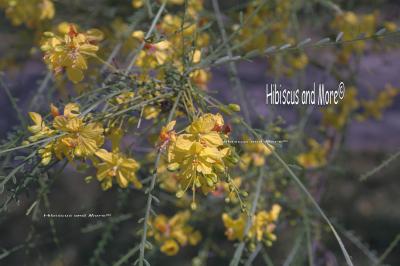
(173, 167)
(234, 107)
(179, 194)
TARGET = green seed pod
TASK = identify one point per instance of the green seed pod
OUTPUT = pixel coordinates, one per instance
(210, 182)
(179, 194)
(232, 159)
(234, 107)
(236, 120)
(219, 167)
(225, 109)
(48, 34)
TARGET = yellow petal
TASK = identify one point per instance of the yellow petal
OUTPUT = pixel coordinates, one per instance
(138, 35)
(196, 56)
(71, 110)
(121, 179)
(105, 155)
(170, 247)
(74, 74)
(36, 118)
(213, 138)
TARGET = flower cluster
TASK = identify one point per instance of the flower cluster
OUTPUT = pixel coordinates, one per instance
(75, 137)
(198, 154)
(375, 107)
(70, 51)
(71, 136)
(174, 232)
(30, 13)
(260, 32)
(352, 25)
(316, 156)
(182, 39)
(261, 230)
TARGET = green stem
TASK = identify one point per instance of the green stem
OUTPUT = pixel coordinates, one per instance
(151, 188)
(148, 34)
(12, 100)
(308, 194)
(239, 250)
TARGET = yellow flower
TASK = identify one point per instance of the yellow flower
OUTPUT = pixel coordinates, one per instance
(173, 233)
(124, 97)
(262, 226)
(31, 12)
(46, 153)
(299, 62)
(200, 77)
(390, 26)
(167, 134)
(137, 3)
(315, 157)
(352, 25)
(234, 227)
(153, 54)
(70, 52)
(254, 153)
(151, 112)
(79, 138)
(375, 107)
(198, 155)
(118, 166)
(183, 39)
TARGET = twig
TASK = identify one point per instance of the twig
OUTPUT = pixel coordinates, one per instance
(237, 85)
(388, 250)
(385, 163)
(239, 250)
(308, 194)
(40, 90)
(151, 188)
(148, 34)
(12, 100)
(253, 255)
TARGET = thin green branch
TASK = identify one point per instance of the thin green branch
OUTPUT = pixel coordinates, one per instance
(388, 250)
(12, 100)
(378, 168)
(239, 249)
(208, 62)
(148, 34)
(308, 194)
(237, 85)
(149, 190)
